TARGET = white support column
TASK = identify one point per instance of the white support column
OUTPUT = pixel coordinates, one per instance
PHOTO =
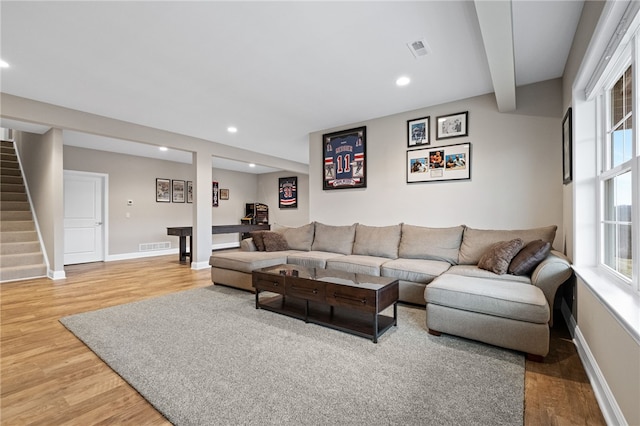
(202, 209)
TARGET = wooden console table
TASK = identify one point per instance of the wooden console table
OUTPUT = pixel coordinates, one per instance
(186, 231)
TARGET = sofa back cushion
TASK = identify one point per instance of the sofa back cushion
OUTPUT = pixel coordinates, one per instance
(475, 242)
(419, 242)
(381, 241)
(300, 238)
(334, 239)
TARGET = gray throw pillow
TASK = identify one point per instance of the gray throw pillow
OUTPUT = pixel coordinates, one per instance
(498, 257)
(273, 241)
(529, 257)
(476, 241)
(258, 239)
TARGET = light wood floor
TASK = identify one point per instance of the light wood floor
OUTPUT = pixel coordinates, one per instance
(48, 377)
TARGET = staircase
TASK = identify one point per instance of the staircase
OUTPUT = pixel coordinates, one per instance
(20, 252)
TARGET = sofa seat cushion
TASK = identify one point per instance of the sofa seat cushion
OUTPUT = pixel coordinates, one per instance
(369, 265)
(414, 270)
(512, 300)
(243, 261)
(312, 259)
(474, 271)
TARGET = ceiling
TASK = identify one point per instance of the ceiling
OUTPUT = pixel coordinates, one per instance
(274, 70)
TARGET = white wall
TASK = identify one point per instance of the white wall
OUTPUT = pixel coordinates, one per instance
(516, 170)
(242, 189)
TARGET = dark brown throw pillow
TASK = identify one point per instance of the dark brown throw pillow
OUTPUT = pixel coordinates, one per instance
(498, 257)
(274, 241)
(529, 257)
(258, 239)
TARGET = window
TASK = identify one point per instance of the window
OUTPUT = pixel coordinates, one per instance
(617, 178)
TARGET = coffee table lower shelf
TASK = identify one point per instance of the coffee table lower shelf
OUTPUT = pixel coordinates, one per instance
(338, 318)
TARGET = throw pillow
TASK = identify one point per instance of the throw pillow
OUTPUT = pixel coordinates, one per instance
(258, 239)
(498, 257)
(529, 257)
(274, 241)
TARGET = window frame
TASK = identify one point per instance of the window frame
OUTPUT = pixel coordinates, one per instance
(628, 56)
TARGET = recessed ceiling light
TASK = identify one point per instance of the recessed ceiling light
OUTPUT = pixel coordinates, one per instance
(403, 81)
(163, 148)
(252, 165)
(232, 129)
(3, 64)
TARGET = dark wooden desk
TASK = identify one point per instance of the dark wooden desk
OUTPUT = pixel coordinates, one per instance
(186, 231)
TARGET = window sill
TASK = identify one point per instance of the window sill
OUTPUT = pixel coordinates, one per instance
(622, 303)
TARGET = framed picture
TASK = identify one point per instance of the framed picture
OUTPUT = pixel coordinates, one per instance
(224, 194)
(177, 191)
(344, 159)
(189, 191)
(163, 190)
(567, 148)
(288, 192)
(452, 126)
(442, 163)
(214, 190)
(418, 132)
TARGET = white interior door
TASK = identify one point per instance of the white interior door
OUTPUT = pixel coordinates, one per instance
(83, 217)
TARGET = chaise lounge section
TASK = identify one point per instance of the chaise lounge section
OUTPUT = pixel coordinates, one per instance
(494, 286)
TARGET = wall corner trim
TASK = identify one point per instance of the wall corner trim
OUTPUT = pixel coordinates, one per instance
(56, 275)
(606, 400)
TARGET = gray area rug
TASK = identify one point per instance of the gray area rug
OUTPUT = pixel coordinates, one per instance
(208, 357)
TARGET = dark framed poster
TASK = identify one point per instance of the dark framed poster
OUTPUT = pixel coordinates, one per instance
(215, 194)
(288, 192)
(567, 169)
(345, 159)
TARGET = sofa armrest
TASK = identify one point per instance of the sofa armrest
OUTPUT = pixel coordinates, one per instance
(248, 245)
(550, 274)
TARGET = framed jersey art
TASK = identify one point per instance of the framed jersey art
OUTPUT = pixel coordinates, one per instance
(288, 194)
(344, 159)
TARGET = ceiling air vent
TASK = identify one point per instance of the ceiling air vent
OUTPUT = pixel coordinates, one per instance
(419, 48)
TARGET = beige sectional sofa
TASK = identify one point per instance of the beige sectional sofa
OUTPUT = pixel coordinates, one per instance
(435, 266)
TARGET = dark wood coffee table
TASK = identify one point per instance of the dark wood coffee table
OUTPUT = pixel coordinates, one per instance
(340, 300)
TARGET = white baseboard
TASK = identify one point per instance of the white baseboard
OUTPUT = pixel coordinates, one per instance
(200, 265)
(222, 246)
(174, 251)
(140, 255)
(56, 275)
(606, 400)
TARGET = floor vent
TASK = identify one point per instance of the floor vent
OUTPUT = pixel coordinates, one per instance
(155, 246)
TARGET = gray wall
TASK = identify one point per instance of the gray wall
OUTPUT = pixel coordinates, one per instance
(133, 178)
(516, 170)
(41, 158)
(268, 187)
